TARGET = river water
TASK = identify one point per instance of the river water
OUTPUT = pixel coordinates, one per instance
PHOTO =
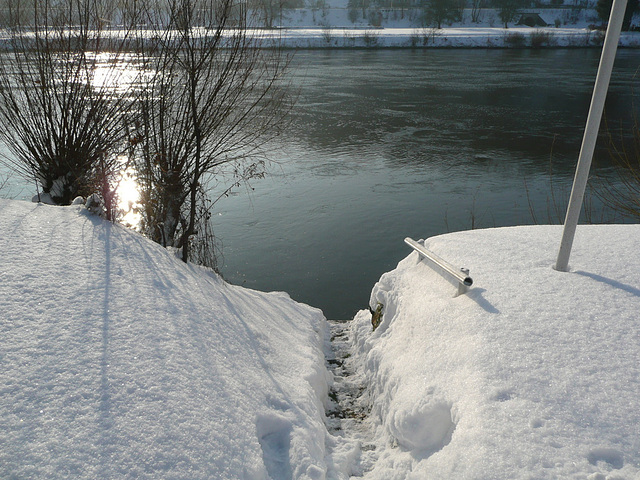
(386, 144)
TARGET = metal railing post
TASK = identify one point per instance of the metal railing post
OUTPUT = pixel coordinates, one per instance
(458, 275)
(591, 132)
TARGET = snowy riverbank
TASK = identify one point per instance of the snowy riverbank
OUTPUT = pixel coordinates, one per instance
(338, 26)
(532, 374)
(454, 37)
(119, 361)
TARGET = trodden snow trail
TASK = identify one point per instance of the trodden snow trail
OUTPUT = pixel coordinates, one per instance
(354, 452)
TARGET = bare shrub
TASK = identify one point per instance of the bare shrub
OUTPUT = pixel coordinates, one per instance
(327, 34)
(514, 40)
(623, 192)
(423, 36)
(212, 98)
(541, 39)
(596, 38)
(61, 112)
(370, 38)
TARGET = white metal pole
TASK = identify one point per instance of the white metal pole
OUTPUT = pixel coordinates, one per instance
(591, 132)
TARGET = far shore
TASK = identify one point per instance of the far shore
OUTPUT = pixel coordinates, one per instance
(460, 37)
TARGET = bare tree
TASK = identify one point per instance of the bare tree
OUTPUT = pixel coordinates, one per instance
(476, 9)
(508, 10)
(438, 11)
(603, 8)
(213, 97)
(61, 111)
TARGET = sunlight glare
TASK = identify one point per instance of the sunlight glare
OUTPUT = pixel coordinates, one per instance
(115, 73)
(128, 197)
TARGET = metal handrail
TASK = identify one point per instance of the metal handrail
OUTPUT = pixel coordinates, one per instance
(459, 275)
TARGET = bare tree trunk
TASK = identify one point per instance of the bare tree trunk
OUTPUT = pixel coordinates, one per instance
(214, 97)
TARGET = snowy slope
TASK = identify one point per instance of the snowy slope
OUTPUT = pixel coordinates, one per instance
(534, 373)
(118, 361)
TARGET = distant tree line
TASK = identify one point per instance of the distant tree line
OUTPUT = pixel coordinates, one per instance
(603, 7)
(271, 13)
(436, 12)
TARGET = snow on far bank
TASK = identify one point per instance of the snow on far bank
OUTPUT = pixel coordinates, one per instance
(119, 361)
(453, 37)
(337, 26)
(534, 373)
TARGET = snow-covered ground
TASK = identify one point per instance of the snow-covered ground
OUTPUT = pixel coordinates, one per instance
(337, 14)
(533, 373)
(119, 361)
(452, 37)
(336, 27)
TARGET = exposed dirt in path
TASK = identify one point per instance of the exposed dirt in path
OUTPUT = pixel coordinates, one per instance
(348, 409)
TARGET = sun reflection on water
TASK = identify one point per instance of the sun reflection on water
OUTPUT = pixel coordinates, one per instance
(128, 198)
(115, 72)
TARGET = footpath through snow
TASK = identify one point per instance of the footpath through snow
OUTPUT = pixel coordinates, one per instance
(119, 361)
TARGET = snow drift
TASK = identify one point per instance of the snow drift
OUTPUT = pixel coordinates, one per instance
(533, 373)
(119, 361)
